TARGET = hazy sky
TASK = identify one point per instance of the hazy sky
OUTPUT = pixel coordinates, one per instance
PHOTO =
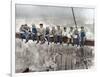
(54, 15)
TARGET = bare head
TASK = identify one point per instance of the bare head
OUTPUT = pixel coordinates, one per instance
(64, 28)
(41, 25)
(82, 27)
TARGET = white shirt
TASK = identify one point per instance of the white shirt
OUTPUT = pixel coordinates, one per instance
(52, 33)
(59, 32)
(64, 33)
(41, 31)
(70, 34)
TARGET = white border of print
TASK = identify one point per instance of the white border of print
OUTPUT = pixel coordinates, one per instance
(44, 74)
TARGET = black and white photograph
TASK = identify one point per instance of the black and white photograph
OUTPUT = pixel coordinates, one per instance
(53, 38)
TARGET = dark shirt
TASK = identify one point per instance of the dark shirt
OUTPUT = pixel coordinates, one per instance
(82, 34)
(47, 31)
(34, 30)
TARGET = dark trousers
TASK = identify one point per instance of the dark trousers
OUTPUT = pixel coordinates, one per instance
(58, 39)
(48, 38)
(41, 38)
(34, 36)
(70, 41)
(76, 41)
(22, 35)
(25, 35)
(82, 42)
(52, 39)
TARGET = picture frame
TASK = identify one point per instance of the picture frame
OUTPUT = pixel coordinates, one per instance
(13, 16)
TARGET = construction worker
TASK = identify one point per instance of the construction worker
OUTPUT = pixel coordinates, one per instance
(52, 35)
(64, 34)
(26, 32)
(22, 32)
(76, 37)
(59, 35)
(34, 32)
(70, 36)
(41, 34)
(82, 36)
(47, 34)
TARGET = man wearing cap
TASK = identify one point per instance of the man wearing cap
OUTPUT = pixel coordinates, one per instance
(34, 32)
(82, 36)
